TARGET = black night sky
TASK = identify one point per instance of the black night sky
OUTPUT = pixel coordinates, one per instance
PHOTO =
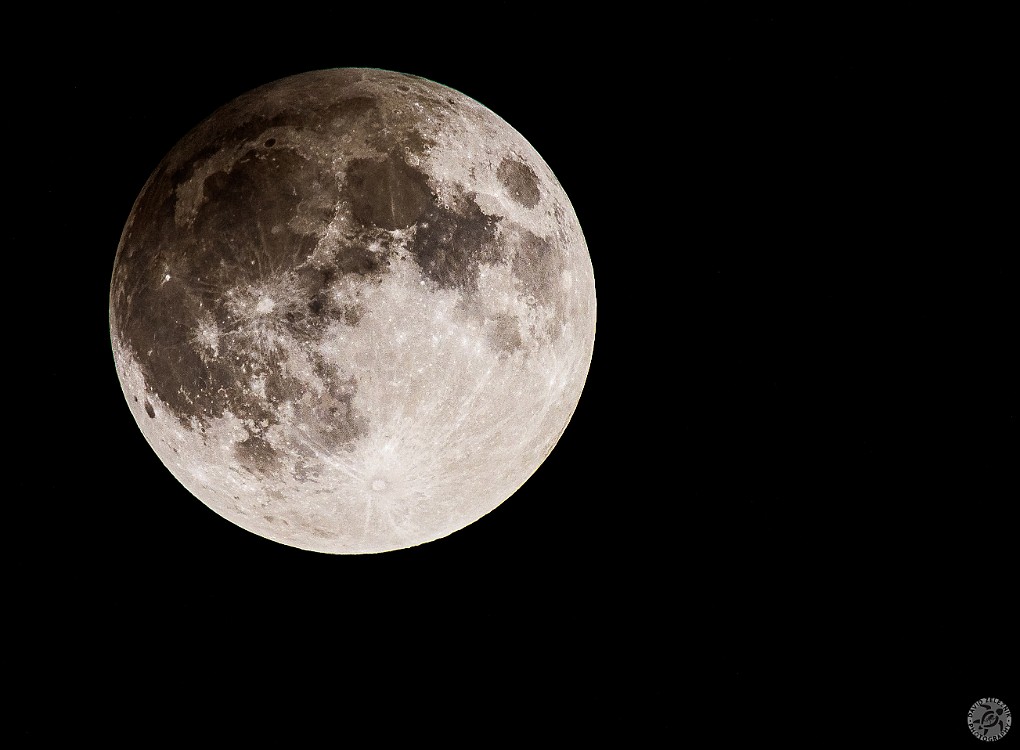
(787, 499)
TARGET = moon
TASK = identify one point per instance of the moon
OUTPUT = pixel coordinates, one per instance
(352, 311)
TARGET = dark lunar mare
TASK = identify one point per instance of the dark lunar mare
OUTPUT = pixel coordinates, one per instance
(255, 224)
(240, 237)
(254, 252)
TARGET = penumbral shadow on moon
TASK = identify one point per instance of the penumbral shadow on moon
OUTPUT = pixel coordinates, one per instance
(352, 311)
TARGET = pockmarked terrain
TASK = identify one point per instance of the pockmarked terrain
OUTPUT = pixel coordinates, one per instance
(352, 311)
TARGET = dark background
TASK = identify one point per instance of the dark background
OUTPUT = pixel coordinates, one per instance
(784, 507)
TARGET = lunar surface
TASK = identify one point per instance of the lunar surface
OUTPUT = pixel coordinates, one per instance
(352, 311)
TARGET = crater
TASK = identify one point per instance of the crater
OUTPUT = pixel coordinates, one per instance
(520, 181)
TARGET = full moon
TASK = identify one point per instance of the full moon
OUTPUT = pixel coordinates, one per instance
(352, 311)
